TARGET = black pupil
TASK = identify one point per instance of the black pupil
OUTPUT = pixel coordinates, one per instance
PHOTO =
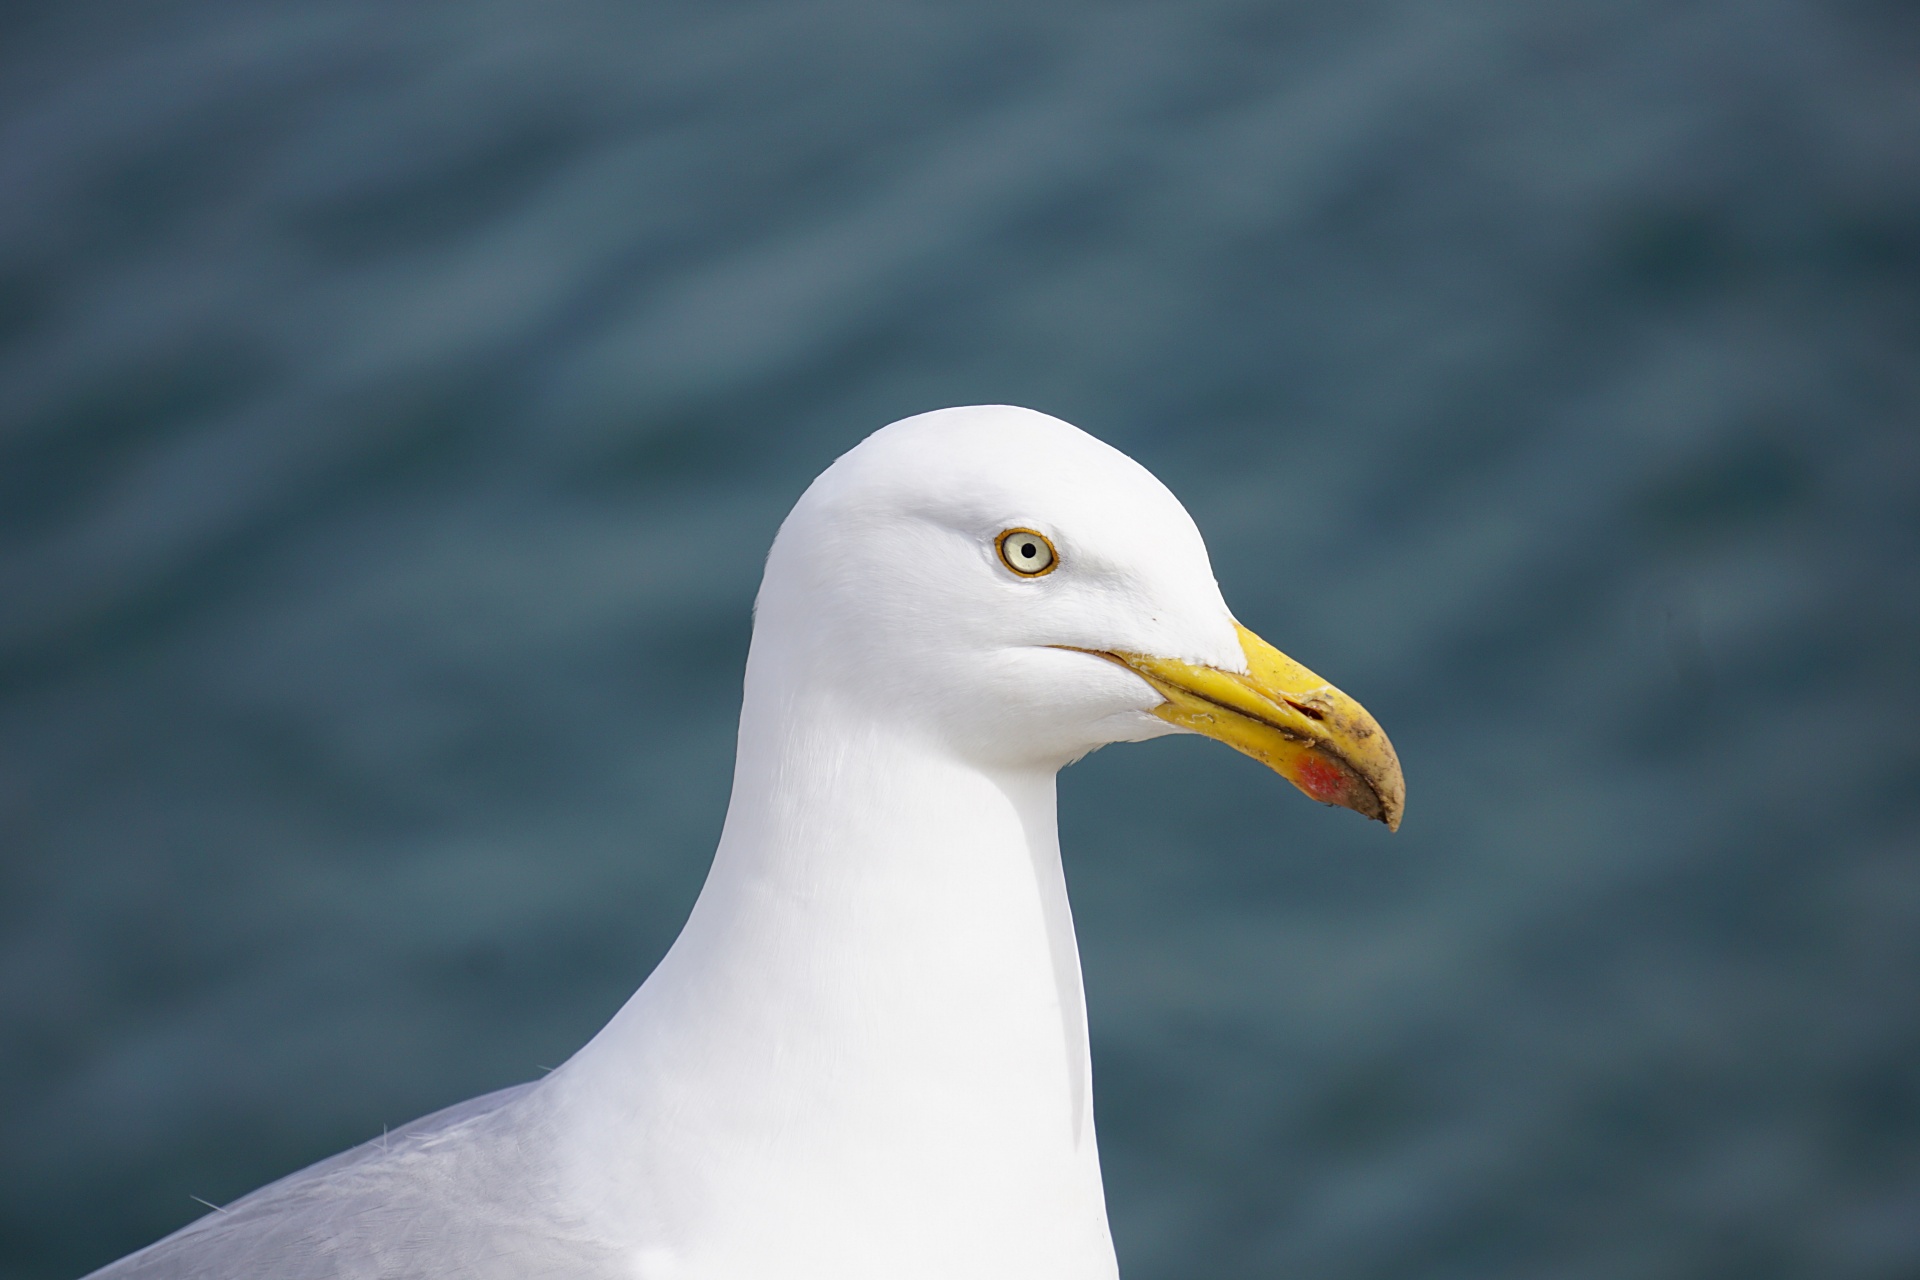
(1028, 550)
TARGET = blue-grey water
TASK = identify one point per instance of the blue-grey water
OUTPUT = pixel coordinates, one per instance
(396, 402)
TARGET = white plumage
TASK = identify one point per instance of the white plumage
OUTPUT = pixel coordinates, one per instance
(865, 1058)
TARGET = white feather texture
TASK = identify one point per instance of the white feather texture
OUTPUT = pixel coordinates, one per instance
(865, 1058)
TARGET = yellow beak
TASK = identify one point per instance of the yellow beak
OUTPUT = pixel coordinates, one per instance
(1286, 717)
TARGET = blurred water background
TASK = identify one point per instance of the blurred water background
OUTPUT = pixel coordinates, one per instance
(396, 402)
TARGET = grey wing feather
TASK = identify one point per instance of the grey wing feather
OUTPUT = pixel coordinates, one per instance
(464, 1192)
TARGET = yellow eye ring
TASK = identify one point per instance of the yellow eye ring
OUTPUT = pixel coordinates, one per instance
(1027, 552)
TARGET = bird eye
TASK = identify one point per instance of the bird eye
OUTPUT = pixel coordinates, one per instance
(1027, 553)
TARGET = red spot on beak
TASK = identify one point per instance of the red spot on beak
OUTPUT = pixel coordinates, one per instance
(1325, 782)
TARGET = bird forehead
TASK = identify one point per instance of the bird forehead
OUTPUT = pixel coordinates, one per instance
(976, 467)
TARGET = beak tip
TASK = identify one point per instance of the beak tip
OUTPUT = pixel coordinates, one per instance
(1393, 797)
(1393, 804)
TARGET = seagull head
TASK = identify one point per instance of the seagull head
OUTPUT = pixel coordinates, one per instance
(1003, 585)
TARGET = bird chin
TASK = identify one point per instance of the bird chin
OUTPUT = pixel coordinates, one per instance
(1122, 726)
(1057, 753)
(1131, 726)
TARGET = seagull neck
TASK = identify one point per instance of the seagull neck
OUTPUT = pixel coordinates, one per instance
(879, 981)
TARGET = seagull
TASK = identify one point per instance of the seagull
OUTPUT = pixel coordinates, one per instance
(865, 1056)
